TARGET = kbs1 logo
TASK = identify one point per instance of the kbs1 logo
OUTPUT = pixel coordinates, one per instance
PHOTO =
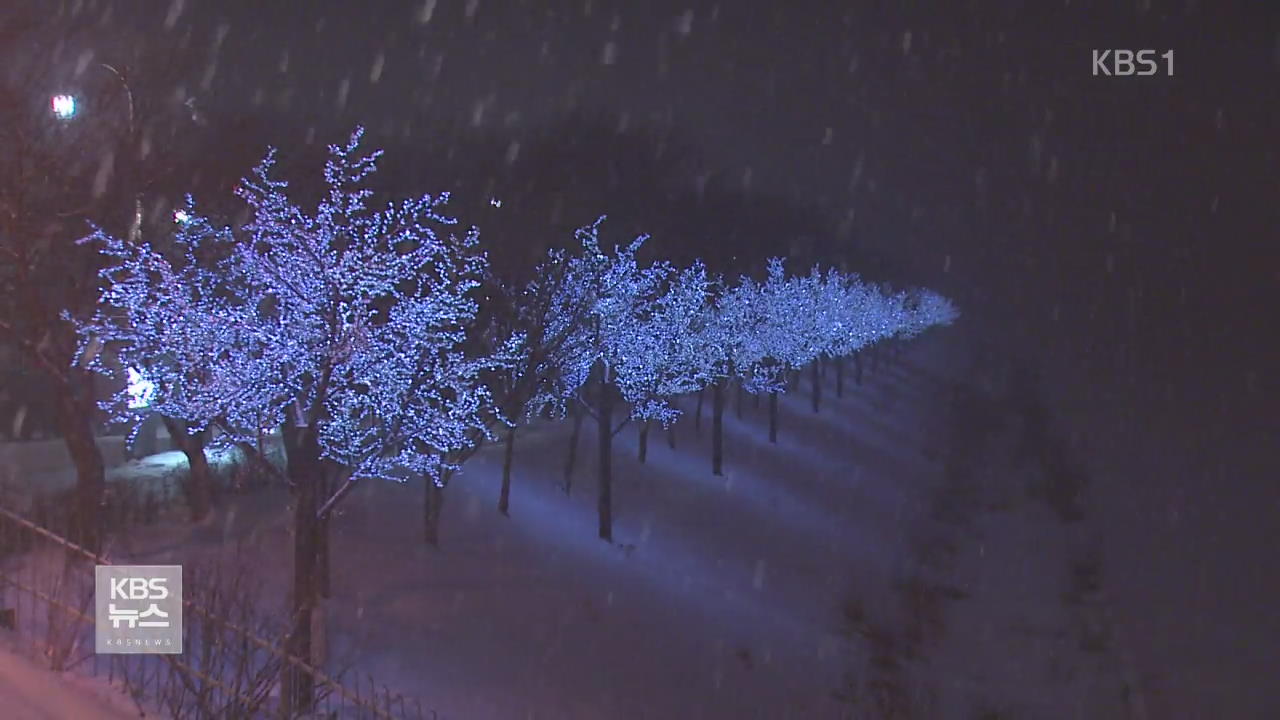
(138, 609)
(1126, 63)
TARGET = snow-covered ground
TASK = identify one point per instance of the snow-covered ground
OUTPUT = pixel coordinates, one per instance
(42, 466)
(908, 547)
(31, 692)
(933, 544)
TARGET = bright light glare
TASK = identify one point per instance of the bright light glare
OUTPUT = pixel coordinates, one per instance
(64, 106)
(140, 390)
(181, 217)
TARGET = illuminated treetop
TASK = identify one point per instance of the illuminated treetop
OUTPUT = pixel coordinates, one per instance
(342, 318)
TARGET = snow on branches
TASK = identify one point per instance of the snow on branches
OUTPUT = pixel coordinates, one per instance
(360, 323)
(664, 349)
(924, 309)
(643, 328)
(787, 322)
(659, 332)
(343, 318)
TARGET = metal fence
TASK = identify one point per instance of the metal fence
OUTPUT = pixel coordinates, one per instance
(233, 662)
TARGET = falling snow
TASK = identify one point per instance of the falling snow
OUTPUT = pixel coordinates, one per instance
(1086, 450)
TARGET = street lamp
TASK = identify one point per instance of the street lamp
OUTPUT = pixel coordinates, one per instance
(63, 106)
(140, 390)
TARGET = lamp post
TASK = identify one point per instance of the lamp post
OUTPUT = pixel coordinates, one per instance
(128, 91)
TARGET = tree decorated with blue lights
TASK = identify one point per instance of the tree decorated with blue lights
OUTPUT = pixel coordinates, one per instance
(674, 350)
(540, 329)
(923, 309)
(856, 327)
(859, 314)
(636, 343)
(666, 348)
(810, 329)
(738, 339)
(772, 328)
(343, 325)
(613, 288)
(774, 339)
(762, 331)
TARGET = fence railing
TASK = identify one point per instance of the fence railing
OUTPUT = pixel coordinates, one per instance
(233, 662)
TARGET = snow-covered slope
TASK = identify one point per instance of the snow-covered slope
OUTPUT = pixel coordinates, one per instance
(30, 692)
(893, 548)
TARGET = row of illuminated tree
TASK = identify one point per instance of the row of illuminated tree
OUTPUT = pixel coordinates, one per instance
(381, 346)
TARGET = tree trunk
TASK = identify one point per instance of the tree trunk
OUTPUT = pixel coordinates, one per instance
(75, 421)
(755, 400)
(573, 449)
(717, 428)
(432, 504)
(773, 417)
(320, 630)
(875, 358)
(323, 575)
(304, 471)
(839, 377)
(199, 479)
(671, 430)
(817, 386)
(644, 441)
(737, 408)
(697, 416)
(504, 497)
(604, 428)
(857, 368)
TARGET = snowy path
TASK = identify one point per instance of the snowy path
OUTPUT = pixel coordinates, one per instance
(30, 692)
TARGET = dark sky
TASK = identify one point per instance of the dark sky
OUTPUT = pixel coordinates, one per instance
(1117, 234)
(969, 129)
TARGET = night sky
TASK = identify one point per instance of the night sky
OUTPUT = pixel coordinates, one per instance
(1116, 235)
(974, 130)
